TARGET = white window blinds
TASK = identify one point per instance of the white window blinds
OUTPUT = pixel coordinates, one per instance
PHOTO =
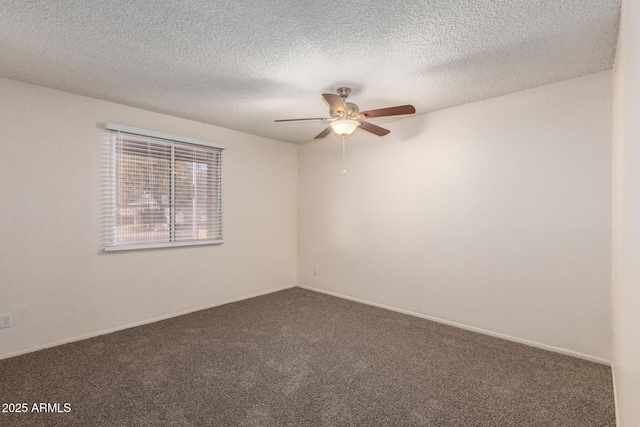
(164, 192)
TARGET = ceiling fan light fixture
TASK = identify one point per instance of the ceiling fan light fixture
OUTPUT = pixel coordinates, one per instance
(345, 127)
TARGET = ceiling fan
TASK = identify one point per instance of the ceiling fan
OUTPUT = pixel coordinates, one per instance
(345, 117)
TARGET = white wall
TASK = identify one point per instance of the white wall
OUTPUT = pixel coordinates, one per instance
(626, 217)
(56, 281)
(495, 215)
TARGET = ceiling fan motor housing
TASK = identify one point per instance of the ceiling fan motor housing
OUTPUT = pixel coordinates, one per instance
(347, 109)
(350, 110)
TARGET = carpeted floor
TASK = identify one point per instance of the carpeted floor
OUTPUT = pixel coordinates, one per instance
(301, 358)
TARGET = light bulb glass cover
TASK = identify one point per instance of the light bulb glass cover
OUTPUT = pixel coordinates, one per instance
(344, 127)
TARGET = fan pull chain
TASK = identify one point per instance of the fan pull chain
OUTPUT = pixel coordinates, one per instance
(344, 162)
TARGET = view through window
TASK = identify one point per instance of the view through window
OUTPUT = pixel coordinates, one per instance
(164, 192)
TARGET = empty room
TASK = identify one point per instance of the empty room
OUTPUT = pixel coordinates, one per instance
(298, 213)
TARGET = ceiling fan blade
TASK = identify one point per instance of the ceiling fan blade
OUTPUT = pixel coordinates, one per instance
(374, 129)
(335, 102)
(389, 111)
(315, 119)
(324, 133)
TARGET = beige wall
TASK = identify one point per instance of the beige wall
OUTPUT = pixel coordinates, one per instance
(56, 281)
(494, 215)
(626, 217)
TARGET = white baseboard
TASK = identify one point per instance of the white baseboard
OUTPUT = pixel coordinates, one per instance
(336, 294)
(467, 327)
(615, 394)
(143, 322)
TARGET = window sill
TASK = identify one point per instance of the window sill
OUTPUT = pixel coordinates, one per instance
(162, 245)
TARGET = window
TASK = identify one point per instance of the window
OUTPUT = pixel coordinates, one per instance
(165, 190)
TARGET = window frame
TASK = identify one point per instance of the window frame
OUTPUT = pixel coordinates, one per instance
(173, 141)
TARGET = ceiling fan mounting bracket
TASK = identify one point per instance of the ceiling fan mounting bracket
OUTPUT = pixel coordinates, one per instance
(344, 92)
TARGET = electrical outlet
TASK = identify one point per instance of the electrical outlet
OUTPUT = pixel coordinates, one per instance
(5, 321)
(315, 271)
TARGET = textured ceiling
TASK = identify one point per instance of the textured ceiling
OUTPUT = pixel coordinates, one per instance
(242, 64)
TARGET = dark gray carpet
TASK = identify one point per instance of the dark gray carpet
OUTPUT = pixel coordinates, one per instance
(300, 358)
